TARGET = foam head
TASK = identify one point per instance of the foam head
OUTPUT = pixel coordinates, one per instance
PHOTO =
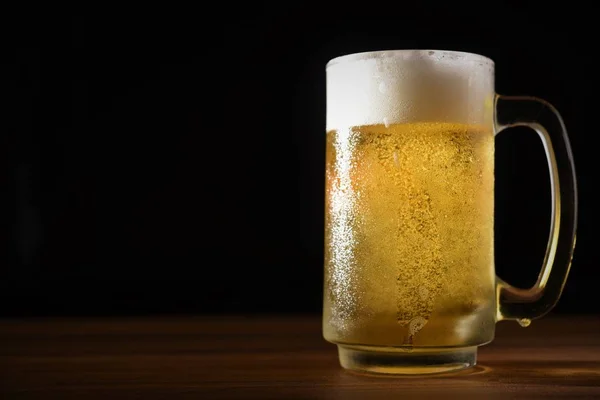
(388, 87)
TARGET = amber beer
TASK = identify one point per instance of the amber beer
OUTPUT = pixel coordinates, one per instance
(409, 235)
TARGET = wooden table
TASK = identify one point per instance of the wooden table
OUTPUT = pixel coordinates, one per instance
(250, 357)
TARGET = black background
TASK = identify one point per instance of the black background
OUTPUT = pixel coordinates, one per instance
(172, 160)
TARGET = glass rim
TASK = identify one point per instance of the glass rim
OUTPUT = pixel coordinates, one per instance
(378, 54)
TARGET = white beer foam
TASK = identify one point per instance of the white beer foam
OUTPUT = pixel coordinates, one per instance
(388, 87)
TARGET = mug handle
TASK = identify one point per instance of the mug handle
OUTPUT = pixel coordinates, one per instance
(524, 305)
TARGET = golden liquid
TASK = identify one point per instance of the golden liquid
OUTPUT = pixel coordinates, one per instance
(409, 235)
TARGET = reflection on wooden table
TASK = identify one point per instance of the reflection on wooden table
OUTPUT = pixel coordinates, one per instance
(278, 357)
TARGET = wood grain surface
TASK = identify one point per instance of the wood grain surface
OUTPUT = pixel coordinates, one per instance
(252, 357)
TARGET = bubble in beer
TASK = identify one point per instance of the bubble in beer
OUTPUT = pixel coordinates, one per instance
(415, 325)
(423, 292)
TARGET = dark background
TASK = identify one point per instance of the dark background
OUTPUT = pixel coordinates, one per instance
(172, 160)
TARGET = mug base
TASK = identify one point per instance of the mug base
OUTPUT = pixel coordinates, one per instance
(405, 360)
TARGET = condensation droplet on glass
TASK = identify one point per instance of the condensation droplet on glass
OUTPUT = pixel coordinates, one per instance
(396, 160)
(524, 322)
(386, 122)
(382, 87)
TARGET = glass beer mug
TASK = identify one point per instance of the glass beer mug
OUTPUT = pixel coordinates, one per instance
(410, 286)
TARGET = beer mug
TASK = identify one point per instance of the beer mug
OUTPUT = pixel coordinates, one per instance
(409, 285)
